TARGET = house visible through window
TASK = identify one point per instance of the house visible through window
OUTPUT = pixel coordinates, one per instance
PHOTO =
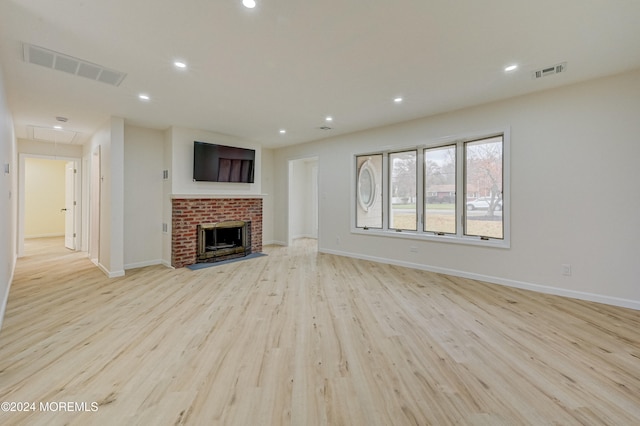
(458, 196)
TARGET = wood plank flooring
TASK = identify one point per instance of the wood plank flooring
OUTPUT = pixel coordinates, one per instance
(301, 338)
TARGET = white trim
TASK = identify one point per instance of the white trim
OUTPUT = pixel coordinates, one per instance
(143, 264)
(108, 273)
(538, 288)
(5, 299)
(26, 237)
(413, 235)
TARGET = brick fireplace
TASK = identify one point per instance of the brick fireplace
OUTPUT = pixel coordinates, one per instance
(189, 213)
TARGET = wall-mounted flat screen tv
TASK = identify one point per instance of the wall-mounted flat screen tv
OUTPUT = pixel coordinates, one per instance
(220, 163)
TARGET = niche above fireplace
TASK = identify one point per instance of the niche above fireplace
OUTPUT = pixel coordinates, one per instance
(223, 240)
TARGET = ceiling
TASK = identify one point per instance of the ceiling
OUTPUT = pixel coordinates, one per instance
(288, 64)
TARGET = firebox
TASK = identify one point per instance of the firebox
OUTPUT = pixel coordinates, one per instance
(223, 240)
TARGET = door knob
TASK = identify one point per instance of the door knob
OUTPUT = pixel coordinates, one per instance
(63, 210)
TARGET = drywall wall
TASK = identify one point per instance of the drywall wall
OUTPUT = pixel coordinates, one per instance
(182, 164)
(109, 141)
(8, 200)
(143, 165)
(574, 162)
(303, 198)
(44, 192)
(267, 201)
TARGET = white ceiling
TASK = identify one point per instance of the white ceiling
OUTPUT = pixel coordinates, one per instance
(287, 64)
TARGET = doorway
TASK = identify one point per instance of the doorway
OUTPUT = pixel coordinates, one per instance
(49, 200)
(303, 199)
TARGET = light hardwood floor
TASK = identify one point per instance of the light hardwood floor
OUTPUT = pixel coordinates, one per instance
(301, 338)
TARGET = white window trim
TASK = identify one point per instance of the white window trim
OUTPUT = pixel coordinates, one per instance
(420, 234)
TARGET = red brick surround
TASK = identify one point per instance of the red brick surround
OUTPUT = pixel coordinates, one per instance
(188, 213)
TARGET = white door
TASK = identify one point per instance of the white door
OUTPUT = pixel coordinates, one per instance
(70, 206)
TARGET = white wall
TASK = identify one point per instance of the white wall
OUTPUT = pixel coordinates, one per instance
(110, 138)
(267, 200)
(8, 199)
(574, 185)
(302, 207)
(182, 164)
(143, 165)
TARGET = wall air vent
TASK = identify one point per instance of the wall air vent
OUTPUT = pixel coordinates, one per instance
(65, 63)
(544, 72)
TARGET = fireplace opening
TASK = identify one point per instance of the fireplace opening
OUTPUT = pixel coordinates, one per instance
(223, 240)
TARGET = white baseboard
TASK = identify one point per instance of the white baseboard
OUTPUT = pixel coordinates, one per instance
(274, 243)
(539, 288)
(26, 237)
(109, 274)
(143, 264)
(5, 296)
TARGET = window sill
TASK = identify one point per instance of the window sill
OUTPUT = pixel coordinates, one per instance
(424, 236)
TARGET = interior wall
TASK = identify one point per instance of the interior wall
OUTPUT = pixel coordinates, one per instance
(182, 164)
(574, 156)
(8, 203)
(267, 200)
(110, 140)
(143, 185)
(44, 191)
(302, 205)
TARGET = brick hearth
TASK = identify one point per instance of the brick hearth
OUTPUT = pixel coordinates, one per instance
(188, 213)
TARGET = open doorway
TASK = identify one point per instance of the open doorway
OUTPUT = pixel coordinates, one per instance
(303, 199)
(49, 200)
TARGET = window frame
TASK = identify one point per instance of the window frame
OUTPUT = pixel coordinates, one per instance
(420, 233)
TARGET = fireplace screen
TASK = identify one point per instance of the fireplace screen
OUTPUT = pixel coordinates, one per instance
(223, 240)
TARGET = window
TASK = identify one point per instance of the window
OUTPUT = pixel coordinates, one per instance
(402, 210)
(483, 188)
(459, 196)
(369, 191)
(440, 185)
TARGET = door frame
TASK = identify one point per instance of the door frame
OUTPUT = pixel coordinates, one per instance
(21, 195)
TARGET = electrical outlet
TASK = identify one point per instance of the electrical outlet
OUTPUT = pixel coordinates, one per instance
(337, 241)
(413, 249)
(566, 269)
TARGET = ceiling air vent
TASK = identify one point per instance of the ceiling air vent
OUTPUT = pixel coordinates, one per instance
(65, 63)
(555, 69)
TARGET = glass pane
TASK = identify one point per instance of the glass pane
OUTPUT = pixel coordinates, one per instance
(483, 188)
(402, 210)
(440, 190)
(369, 191)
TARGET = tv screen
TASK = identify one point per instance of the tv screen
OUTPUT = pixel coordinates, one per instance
(220, 163)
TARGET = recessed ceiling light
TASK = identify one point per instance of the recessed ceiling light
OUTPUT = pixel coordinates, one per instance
(180, 64)
(329, 118)
(249, 4)
(511, 68)
(143, 97)
(397, 100)
(283, 131)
